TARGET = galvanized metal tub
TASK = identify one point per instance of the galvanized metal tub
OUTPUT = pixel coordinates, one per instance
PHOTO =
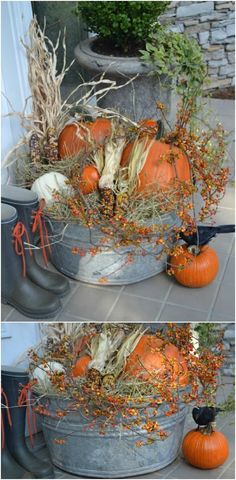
(113, 455)
(110, 263)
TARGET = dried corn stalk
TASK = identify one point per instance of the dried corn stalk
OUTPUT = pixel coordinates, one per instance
(55, 332)
(48, 110)
(44, 80)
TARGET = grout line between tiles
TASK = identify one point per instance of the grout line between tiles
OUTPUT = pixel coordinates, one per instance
(157, 300)
(8, 315)
(78, 319)
(70, 295)
(217, 291)
(64, 305)
(232, 248)
(168, 475)
(114, 304)
(100, 287)
(224, 469)
(185, 307)
(163, 304)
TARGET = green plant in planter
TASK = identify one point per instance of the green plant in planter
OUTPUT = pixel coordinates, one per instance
(125, 25)
(132, 28)
(177, 57)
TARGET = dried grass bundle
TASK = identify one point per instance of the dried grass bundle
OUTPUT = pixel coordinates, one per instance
(154, 205)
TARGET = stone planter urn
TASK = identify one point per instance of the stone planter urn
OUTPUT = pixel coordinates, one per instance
(79, 448)
(137, 99)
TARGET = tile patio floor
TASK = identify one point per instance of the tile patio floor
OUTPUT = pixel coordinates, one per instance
(160, 298)
(179, 469)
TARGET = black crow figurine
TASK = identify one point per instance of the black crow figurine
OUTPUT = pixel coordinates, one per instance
(205, 415)
(204, 234)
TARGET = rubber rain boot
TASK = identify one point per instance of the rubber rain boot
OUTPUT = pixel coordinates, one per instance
(16, 288)
(27, 206)
(12, 379)
(10, 468)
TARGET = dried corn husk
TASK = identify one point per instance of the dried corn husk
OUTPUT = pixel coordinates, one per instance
(98, 158)
(127, 180)
(116, 364)
(103, 346)
(112, 156)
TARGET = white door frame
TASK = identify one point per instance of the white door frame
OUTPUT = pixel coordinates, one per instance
(15, 19)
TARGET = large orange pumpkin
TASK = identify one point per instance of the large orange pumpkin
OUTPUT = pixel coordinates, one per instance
(151, 359)
(74, 136)
(81, 367)
(205, 450)
(164, 163)
(195, 270)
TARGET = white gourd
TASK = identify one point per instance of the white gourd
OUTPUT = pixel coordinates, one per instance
(41, 373)
(46, 185)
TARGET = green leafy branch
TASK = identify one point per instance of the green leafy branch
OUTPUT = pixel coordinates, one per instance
(177, 57)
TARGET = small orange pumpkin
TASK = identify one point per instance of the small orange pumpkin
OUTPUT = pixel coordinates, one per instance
(151, 358)
(89, 179)
(74, 136)
(81, 367)
(205, 450)
(195, 270)
(163, 164)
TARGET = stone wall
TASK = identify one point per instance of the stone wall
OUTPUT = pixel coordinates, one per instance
(213, 26)
(229, 350)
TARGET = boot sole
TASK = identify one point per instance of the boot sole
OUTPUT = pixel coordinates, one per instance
(5, 301)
